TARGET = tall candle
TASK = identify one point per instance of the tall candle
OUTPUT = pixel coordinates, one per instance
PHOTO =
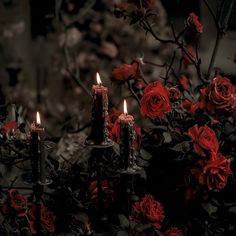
(99, 131)
(127, 137)
(38, 158)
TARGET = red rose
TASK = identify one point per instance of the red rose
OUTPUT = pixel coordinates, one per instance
(127, 72)
(143, 3)
(133, 232)
(46, 216)
(148, 210)
(174, 94)
(215, 173)
(204, 139)
(9, 126)
(17, 201)
(115, 134)
(220, 94)
(108, 193)
(189, 106)
(191, 54)
(174, 231)
(184, 82)
(194, 23)
(155, 101)
(47, 219)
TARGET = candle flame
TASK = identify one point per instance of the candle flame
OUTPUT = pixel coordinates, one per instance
(125, 107)
(38, 120)
(99, 82)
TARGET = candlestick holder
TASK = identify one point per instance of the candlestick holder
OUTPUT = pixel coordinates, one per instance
(98, 154)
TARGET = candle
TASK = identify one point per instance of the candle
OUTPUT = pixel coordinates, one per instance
(99, 131)
(38, 158)
(127, 137)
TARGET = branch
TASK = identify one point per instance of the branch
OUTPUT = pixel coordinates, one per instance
(73, 75)
(212, 13)
(133, 93)
(220, 34)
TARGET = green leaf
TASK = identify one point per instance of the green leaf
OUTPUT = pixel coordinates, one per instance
(124, 222)
(145, 155)
(167, 137)
(122, 233)
(232, 209)
(181, 147)
(209, 208)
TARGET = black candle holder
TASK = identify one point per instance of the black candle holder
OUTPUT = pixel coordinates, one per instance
(99, 151)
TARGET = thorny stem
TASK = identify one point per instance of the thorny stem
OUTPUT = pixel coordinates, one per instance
(220, 34)
(146, 26)
(133, 93)
(170, 66)
(75, 76)
(212, 13)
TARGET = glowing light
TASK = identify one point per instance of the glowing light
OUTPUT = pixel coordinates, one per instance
(38, 120)
(125, 108)
(99, 82)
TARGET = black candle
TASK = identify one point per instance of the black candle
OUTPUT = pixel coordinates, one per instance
(38, 158)
(127, 138)
(99, 131)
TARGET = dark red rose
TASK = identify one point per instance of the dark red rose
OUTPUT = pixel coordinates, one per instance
(148, 210)
(215, 173)
(184, 82)
(108, 193)
(191, 54)
(115, 134)
(9, 126)
(127, 72)
(194, 23)
(189, 106)
(155, 101)
(47, 219)
(133, 232)
(174, 94)
(191, 193)
(220, 94)
(17, 202)
(204, 139)
(174, 231)
(143, 3)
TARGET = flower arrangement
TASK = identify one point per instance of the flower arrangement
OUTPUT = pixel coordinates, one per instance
(184, 143)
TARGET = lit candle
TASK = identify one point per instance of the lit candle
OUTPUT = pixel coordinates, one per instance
(38, 158)
(127, 138)
(99, 131)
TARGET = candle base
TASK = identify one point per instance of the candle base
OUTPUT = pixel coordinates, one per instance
(45, 183)
(104, 144)
(131, 170)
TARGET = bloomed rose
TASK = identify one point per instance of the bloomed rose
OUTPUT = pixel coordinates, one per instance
(148, 210)
(174, 231)
(17, 201)
(204, 139)
(220, 94)
(155, 102)
(215, 173)
(127, 72)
